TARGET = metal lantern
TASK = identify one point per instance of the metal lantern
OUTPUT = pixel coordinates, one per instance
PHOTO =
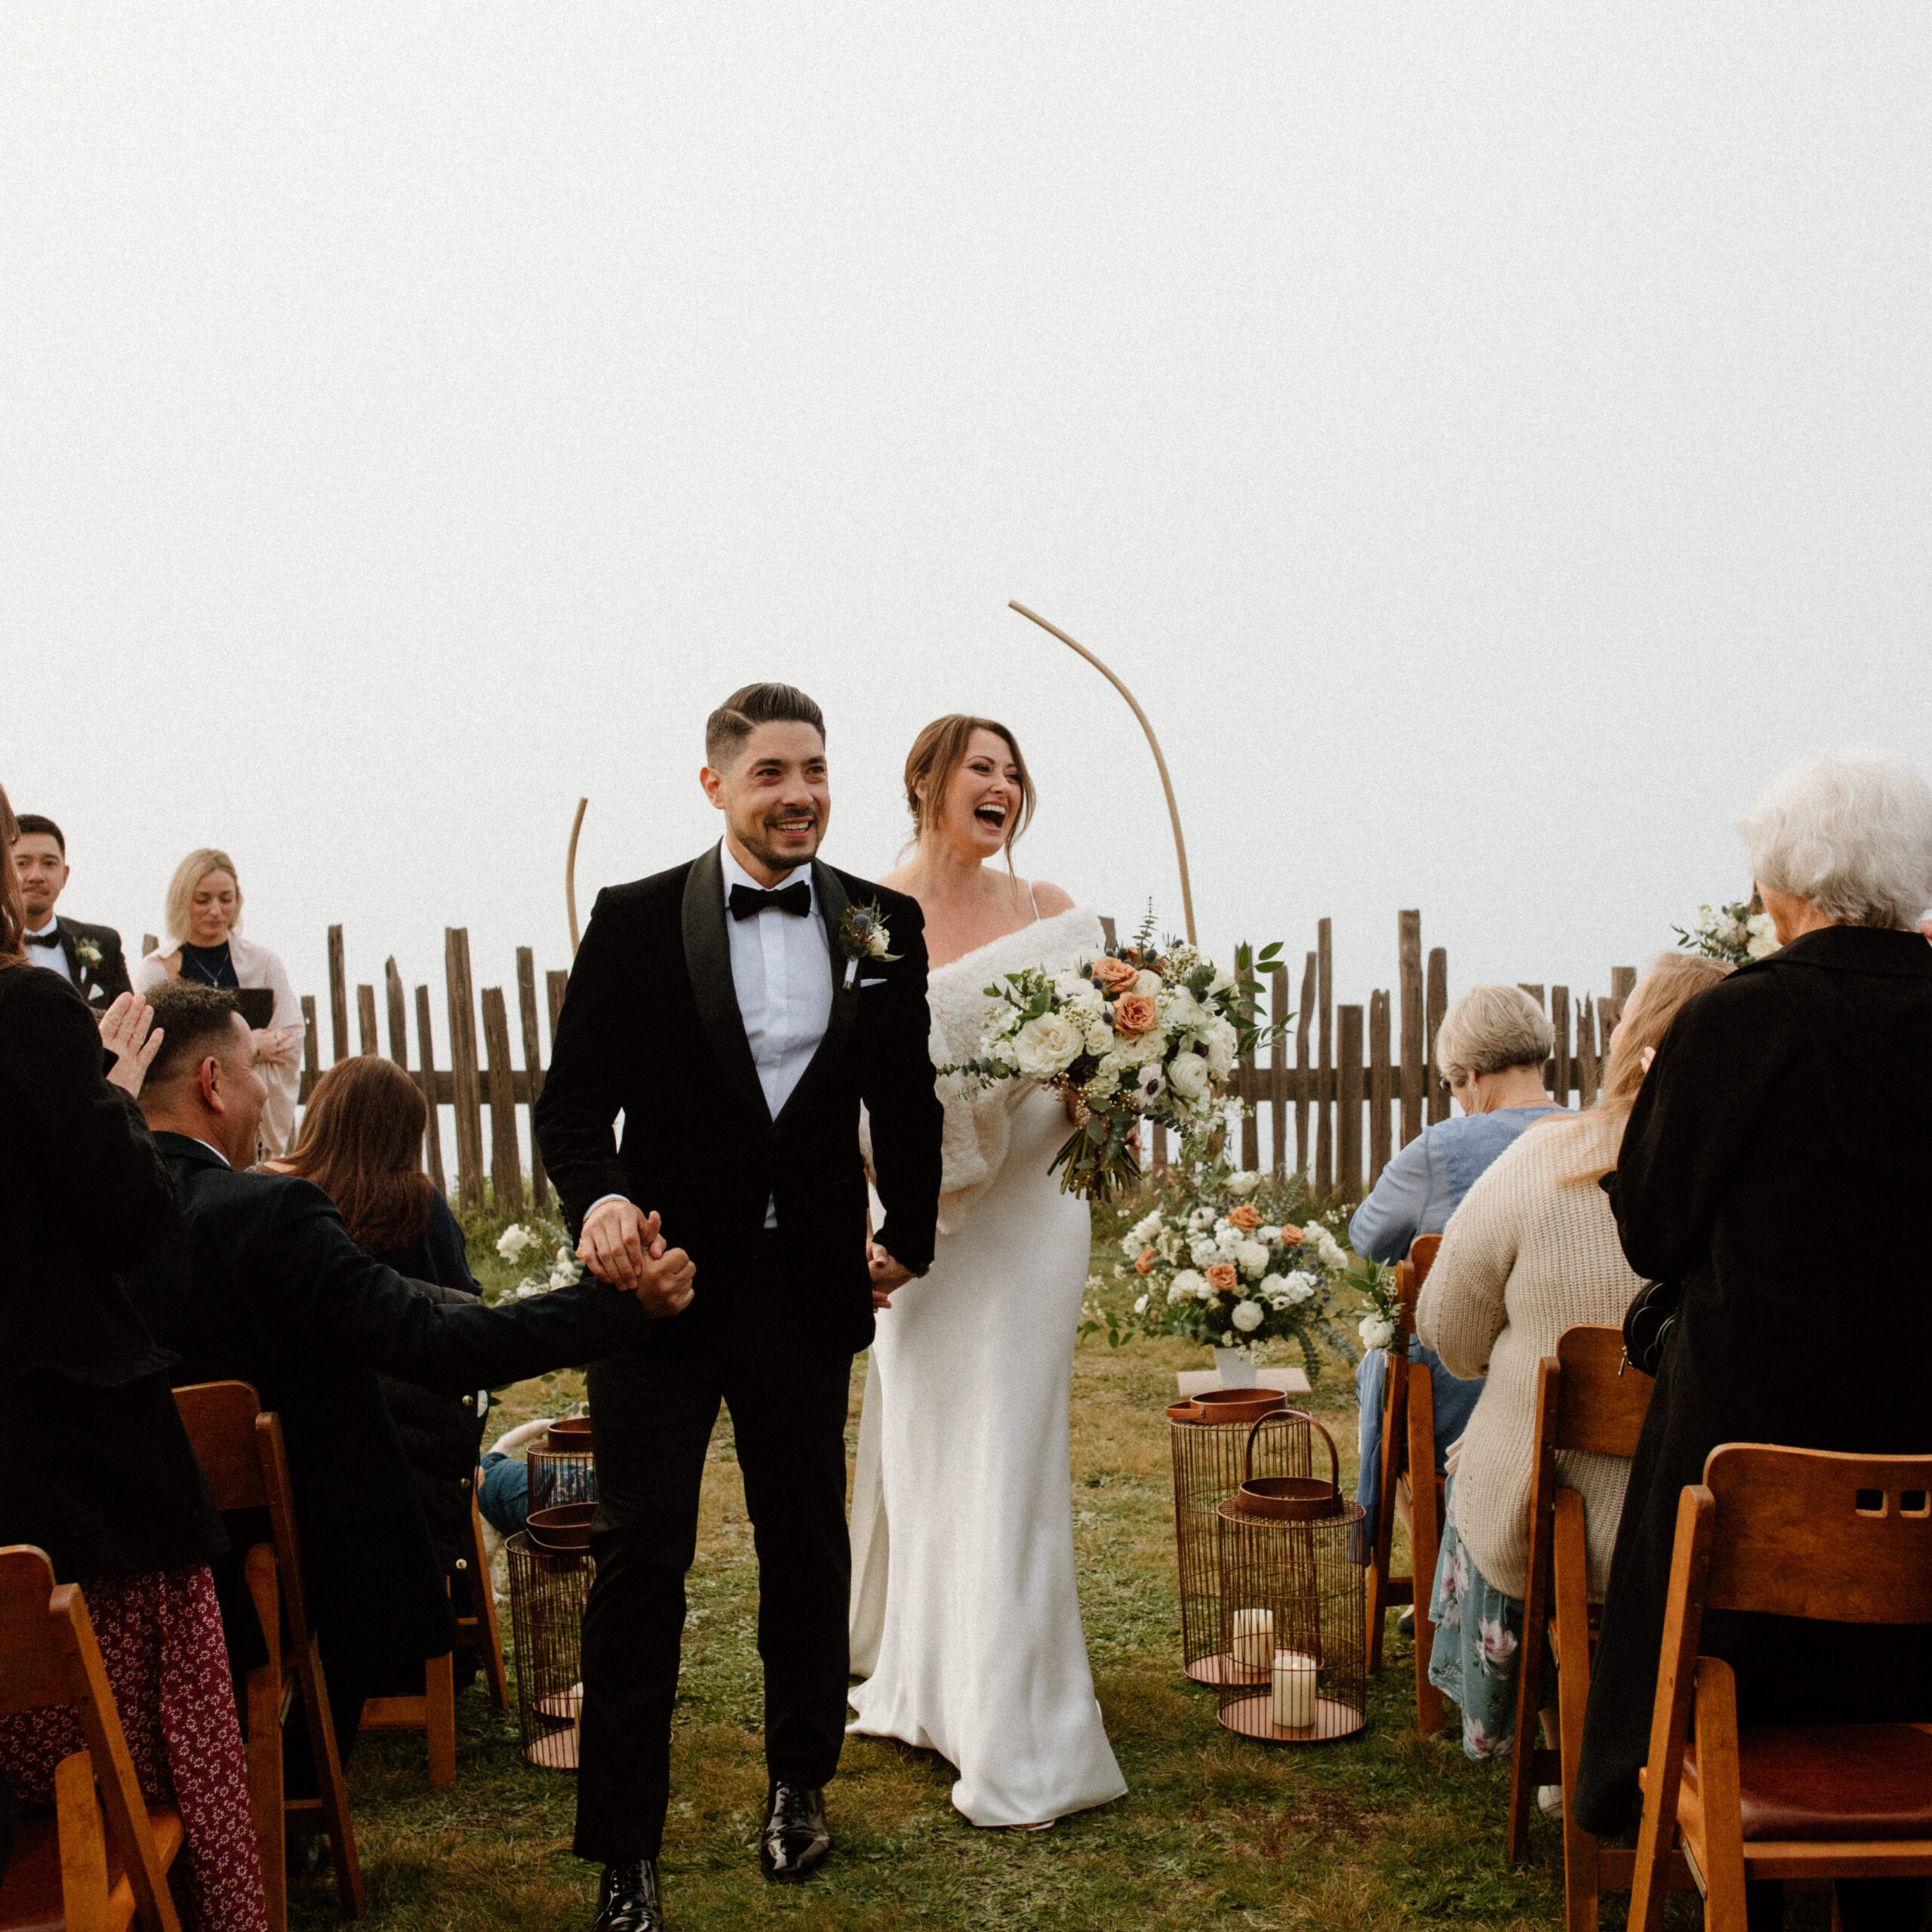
(1291, 1601)
(1210, 1438)
(551, 1570)
(564, 1469)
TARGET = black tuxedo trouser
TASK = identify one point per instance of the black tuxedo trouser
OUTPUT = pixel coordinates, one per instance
(652, 1416)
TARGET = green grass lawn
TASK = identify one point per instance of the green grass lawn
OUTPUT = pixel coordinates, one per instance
(1393, 1830)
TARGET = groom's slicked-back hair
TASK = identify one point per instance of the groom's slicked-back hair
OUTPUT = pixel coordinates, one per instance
(728, 728)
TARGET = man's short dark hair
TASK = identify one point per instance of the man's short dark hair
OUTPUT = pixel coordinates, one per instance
(728, 728)
(33, 822)
(197, 1021)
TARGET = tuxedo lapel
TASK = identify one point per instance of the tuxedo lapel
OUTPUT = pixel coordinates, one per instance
(708, 955)
(830, 895)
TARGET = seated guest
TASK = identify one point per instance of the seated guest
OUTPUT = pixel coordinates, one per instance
(1490, 1049)
(1799, 1087)
(205, 948)
(503, 1491)
(89, 955)
(260, 1282)
(1532, 1250)
(95, 1467)
(361, 1144)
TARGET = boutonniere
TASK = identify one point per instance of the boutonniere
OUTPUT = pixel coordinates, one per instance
(864, 935)
(87, 952)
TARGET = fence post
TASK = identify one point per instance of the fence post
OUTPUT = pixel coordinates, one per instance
(1381, 1094)
(505, 1162)
(1349, 1098)
(1278, 1069)
(1586, 1054)
(1325, 1117)
(1304, 1082)
(1535, 992)
(1622, 984)
(1251, 1128)
(433, 1132)
(463, 1088)
(1437, 1005)
(398, 1013)
(1559, 1025)
(1415, 1073)
(338, 996)
(556, 982)
(311, 1065)
(365, 1021)
(533, 1066)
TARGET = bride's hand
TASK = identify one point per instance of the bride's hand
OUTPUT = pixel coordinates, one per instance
(887, 1274)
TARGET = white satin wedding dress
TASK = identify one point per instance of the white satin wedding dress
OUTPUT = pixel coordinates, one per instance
(965, 1621)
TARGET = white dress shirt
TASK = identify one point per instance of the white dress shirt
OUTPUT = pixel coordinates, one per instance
(53, 958)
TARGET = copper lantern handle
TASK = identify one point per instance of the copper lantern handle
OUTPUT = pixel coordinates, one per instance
(1285, 1415)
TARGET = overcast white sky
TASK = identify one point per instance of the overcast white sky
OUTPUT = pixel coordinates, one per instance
(1491, 440)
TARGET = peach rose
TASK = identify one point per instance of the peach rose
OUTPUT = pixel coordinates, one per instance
(1113, 976)
(1145, 1266)
(1136, 1012)
(1222, 1277)
(1247, 1216)
(1291, 1236)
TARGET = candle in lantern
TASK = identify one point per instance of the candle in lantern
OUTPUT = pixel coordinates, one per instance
(1294, 1691)
(1254, 1639)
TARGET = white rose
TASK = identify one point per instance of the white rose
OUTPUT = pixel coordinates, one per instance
(1185, 1285)
(1376, 1331)
(1047, 1046)
(1146, 1228)
(1188, 1076)
(1244, 1183)
(1181, 1011)
(1248, 1316)
(1220, 1040)
(1099, 1036)
(1140, 1306)
(1251, 1258)
(1207, 1294)
(1147, 982)
(512, 1241)
(1204, 1251)
(1299, 1286)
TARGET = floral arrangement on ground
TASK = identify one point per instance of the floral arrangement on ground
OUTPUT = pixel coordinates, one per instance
(1230, 1258)
(555, 1265)
(1141, 1031)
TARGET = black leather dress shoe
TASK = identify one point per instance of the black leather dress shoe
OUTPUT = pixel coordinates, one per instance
(796, 1838)
(627, 1899)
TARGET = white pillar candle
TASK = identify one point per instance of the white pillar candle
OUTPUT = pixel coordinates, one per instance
(1254, 1639)
(1294, 1691)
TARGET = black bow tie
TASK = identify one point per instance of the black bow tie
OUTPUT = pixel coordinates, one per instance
(50, 939)
(747, 902)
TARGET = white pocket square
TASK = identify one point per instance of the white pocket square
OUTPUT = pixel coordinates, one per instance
(881, 981)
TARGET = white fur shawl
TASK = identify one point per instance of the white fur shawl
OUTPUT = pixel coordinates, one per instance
(976, 1122)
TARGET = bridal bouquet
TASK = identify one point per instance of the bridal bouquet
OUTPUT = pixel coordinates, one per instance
(1218, 1260)
(1737, 934)
(1140, 1032)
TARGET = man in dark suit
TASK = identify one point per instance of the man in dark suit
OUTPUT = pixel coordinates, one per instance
(89, 955)
(260, 1282)
(737, 1010)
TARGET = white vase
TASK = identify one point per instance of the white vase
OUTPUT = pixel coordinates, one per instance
(1235, 1366)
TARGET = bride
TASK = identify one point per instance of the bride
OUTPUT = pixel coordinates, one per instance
(964, 1619)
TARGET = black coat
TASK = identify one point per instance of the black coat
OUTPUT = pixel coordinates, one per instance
(1778, 1164)
(101, 981)
(650, 1026)
(95, 1466)
(260, 1283)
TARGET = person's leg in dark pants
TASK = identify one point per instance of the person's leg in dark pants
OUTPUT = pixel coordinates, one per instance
(651, 1417)
(1882, 1905)
(788, 1414)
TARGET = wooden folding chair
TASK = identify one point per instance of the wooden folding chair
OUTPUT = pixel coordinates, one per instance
(1804, 1533)
(240, 1449)
(67, 1871)
(435, 1710)
(1587, 1400)
(1408, 1429)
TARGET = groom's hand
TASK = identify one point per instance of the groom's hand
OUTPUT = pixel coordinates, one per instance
(616, 1242)
(887, 1274)
(665, 1288)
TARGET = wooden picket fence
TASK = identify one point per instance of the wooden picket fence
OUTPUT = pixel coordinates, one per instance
(1358, 1080)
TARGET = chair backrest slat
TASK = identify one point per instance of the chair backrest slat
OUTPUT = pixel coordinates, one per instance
(1410, 1273)
(31, 1676)
(220, 1418)
(1597, 1409)
(1814, 1533)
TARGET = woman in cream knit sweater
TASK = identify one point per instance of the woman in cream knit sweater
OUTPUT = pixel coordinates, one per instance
(1532, 1250)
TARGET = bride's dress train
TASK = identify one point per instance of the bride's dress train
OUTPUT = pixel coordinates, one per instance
(965, 1618)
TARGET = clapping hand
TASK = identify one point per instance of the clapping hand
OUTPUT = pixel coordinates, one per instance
(624, 1247)
(124, 1034)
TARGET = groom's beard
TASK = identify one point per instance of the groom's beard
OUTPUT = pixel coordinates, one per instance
(757, 838)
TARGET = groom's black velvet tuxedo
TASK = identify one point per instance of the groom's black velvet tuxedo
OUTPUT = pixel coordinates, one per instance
(651, 1026)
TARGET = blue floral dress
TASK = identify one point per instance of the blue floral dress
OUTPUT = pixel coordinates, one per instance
(1478, 1650)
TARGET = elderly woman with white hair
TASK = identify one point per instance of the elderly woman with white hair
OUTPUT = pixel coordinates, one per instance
(1491, 1048)
(1777, 1167)
(206, 947)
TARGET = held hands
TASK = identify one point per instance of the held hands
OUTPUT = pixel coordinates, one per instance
(623, 1247)
(887, 1274)
(123, 1033)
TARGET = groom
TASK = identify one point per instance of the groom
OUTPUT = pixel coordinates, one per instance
(725, 1008)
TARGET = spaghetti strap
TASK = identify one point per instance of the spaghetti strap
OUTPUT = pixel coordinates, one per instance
(1032, 895)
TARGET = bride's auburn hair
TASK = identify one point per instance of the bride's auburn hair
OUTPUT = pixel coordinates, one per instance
(938, 753)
